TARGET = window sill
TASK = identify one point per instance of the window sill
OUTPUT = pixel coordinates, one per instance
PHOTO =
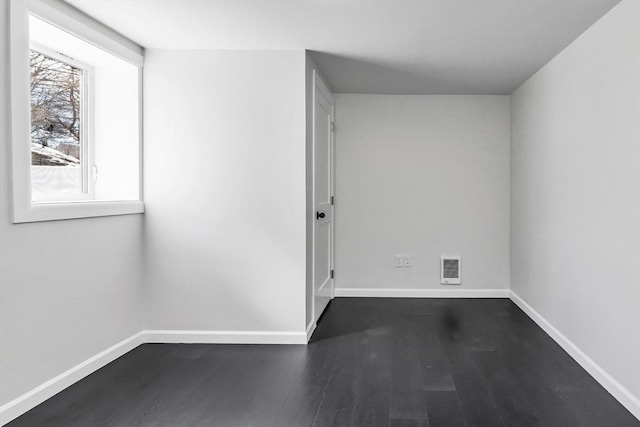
(72, 210)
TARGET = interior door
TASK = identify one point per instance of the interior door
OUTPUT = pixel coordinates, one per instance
(322, 196)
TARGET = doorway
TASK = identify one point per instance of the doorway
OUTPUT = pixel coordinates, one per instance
(323, 200)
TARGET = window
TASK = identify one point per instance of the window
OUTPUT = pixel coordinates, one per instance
(76, 107)
(60, 151)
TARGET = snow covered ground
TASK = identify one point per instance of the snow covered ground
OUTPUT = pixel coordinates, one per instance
(47, 156)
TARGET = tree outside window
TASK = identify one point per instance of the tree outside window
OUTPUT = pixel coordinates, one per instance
(55, 112)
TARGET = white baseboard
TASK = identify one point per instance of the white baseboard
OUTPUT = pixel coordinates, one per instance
(310, 329)
(225, 337)
(422, 293)
(33, 398)
(617, 390)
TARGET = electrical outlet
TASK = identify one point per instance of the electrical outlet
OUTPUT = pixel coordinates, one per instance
(402, 261)
(399, 261)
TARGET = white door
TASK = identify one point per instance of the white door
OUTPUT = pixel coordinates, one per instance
(322, 196)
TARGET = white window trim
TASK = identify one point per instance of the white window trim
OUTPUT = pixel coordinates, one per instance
(64, 16)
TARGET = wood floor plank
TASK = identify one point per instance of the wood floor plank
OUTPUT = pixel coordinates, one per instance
(339, 397)
(373, 401)
(591, 409)
(444, 409)
(407, 399)
(371, 362)
(276, 382)
(477, 405)
(306, 395)
(515, 410)
(208, 389)
(436, 375)
(408, 422)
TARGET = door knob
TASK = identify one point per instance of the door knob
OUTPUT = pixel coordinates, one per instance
(319, 215)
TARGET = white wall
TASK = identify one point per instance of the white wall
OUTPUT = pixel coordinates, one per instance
(68, 289)
(575, 192)
(225, 190)
(423, 176)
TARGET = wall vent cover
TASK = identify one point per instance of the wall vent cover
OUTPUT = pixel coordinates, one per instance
(450, 270)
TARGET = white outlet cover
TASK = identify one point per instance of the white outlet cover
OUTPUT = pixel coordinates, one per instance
(399, 262)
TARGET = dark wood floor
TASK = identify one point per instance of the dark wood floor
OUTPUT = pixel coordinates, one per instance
(375, 362)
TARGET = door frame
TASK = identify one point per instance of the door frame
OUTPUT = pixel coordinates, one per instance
(320, 85)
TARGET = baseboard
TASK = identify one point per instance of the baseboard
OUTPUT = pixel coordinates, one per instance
(617, 390)
(225, 337)
(422, 293)
(33, 398)
(310, 329)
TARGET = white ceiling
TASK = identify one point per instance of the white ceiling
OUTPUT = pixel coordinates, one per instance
(372, 46)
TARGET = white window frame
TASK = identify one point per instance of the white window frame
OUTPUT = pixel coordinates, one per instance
(66, 17)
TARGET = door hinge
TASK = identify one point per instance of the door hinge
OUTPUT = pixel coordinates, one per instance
(333, 126)
(332, 274)
(332, 201)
